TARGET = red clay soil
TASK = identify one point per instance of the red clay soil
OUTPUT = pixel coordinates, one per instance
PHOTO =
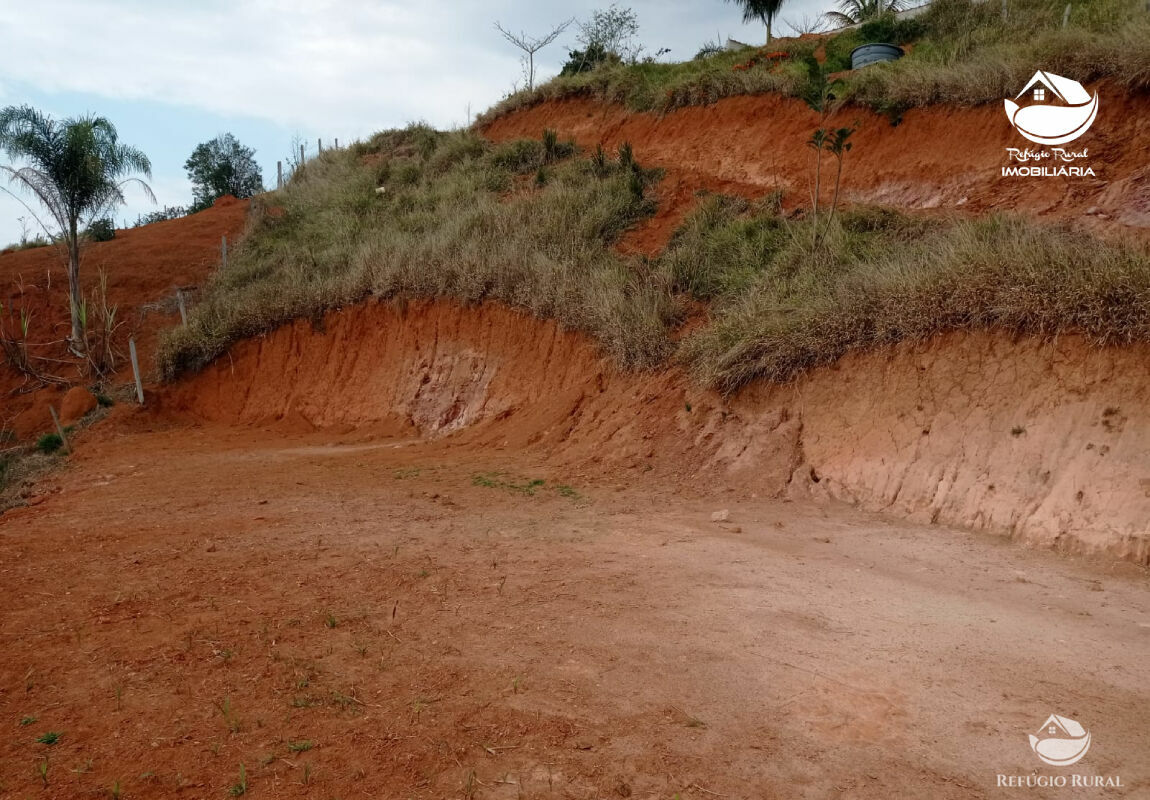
(144, 266)
(936, 158)
(443, 552)
(1046, 443)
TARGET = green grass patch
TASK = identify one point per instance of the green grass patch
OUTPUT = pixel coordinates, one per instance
(498, 480)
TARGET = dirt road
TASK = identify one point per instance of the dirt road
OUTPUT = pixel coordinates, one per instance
(391, 618)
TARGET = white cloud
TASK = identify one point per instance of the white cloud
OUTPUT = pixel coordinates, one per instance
(332, 68)
(346, 65)
(352, 66)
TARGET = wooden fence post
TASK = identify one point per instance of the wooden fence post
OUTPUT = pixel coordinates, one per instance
(1066, 16)
(183, 309)
(301, 146)
(319, 145)
(60, 431)
(279, 174)
(337, 143)
(223, 252)
(136, 370)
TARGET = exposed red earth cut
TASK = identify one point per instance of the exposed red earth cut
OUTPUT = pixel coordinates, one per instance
(1044, 442)
(938, 157)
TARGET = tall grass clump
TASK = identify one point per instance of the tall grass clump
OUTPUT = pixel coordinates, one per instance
(783, 305)
(417, 213)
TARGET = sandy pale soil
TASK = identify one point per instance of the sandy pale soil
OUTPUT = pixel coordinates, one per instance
(391, 618)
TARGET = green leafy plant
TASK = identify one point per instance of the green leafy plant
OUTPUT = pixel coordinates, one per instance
(222, 166)
(50, 443)
(100, 230)
(49, 738)
(839, 146)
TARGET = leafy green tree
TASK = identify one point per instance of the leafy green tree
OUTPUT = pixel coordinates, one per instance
(764, 11)
(222, 166)
(78, 170)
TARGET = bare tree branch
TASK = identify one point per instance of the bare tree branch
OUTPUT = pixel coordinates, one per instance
(530, 45)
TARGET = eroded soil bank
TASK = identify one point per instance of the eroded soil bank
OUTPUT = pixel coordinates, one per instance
(1045, 442)
(936, 157)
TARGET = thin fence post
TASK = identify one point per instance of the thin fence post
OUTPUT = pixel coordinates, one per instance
(60, 430)
(279, 174)
(183, 308)
(1004, 10)
(136, 370)
(319, 145)
(223, 252)
(301, 146)
(337, 143)
(1066, 16)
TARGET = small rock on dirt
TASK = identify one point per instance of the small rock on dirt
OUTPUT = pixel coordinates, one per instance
(721, 516)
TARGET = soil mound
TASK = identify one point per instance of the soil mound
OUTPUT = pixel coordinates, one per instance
(1044, 442)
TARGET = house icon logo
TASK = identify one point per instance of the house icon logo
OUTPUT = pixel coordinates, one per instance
(1057, 109)
(1060, 741)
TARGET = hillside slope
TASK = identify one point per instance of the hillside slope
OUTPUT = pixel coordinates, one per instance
(143, 267)
(937, 157)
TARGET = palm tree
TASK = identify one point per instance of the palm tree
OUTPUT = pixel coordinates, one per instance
(852, 12)
(762, 10)
(78, 169)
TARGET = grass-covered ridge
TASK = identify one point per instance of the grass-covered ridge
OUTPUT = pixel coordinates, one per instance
(532, 224)
(426, 214)
(959, 53)
(782, 304)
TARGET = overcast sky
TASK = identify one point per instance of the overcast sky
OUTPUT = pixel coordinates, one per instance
(172, 74)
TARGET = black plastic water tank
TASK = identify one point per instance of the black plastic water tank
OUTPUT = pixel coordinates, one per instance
(873, 53)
